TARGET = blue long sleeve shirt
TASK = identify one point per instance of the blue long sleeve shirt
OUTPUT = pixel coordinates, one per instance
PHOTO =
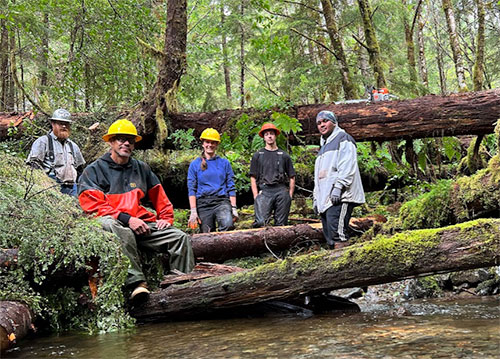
(216, 180)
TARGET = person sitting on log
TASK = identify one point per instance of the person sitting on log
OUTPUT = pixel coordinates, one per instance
(57, 155)
(271, 169)
(212, 193)
(114, 187)
(337, 182)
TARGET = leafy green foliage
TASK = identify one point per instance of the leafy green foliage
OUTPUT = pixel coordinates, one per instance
(52, 235)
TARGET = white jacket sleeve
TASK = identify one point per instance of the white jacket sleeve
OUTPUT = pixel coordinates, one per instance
(347, 164)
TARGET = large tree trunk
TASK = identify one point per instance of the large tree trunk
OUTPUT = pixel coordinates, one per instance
(467, 246)
(15, 322)
(162, 100)
(471, 113)
(455, 46)
(371, 42)
(333, 32)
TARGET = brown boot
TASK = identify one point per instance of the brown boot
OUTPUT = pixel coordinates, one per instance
(341, 244)
(140, 293)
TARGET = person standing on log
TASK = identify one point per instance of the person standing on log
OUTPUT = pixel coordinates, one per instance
(57, 155)
(212, 193)
(271, 169)
(337, 182)
(114, 187)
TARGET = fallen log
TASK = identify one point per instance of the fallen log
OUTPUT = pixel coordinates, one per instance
(15, 323)
(471, 113)
(416, 253)
(220, 246)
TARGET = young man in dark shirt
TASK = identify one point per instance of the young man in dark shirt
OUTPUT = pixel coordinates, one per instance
(270, 170)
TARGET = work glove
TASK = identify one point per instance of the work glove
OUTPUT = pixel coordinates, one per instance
(193, 219)
(315, 209)
(235, 213)
(335, 195)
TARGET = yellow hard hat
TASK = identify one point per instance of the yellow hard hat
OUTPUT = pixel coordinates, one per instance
(210, 134)
(122, 127)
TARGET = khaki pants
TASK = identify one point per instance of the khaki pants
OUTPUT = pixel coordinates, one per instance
(168, 240)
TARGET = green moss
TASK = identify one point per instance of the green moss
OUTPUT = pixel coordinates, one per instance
(429, 210)
(52, 233)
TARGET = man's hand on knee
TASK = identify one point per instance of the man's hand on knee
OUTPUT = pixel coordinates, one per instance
(162, 223)
(138, 226)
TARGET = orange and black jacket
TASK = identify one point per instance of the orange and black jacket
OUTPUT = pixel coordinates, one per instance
(108, 189)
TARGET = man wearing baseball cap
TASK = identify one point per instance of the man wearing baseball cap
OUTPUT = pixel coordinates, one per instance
(56, 154)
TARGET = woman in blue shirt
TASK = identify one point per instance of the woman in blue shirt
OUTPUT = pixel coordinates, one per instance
(212, 195)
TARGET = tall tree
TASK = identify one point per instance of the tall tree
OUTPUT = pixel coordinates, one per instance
(338, 48)
(422, 63)
(455, 45)
(410, 45)
(478, 77)
(162, 99)
(225, 58)
(371, 42)
(242, 54)
(44, 63)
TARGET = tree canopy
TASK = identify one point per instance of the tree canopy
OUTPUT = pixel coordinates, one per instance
(100, 55)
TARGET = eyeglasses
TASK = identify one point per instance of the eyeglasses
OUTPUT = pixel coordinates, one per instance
(123, 139)
(323, 120)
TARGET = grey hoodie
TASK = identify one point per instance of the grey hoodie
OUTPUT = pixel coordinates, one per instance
(337, 166)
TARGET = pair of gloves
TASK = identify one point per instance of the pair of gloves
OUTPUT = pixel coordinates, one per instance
(334, 197)
(194, 220)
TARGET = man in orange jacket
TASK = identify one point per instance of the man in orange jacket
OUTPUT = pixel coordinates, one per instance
(114, 187)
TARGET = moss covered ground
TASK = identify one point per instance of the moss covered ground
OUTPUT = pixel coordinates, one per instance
(52, 234)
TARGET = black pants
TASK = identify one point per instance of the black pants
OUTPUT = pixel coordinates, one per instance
(336, 222)
(214, 210)
(271, 199)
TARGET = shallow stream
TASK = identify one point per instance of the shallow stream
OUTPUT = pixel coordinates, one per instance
(458, 328)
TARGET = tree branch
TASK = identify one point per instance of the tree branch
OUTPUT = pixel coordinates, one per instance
(316, 41)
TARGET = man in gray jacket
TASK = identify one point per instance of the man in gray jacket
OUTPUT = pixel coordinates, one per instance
(56, 154)
(337, 182)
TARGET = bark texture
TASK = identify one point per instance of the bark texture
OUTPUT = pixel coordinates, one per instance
(162, 100)
(467, 246)
(471, 113)
(221, 246)
(455, 45)
(372, 45)
(478, 77)
(333, 32)
(15, 322)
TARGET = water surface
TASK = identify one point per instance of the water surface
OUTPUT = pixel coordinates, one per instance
(464, 328)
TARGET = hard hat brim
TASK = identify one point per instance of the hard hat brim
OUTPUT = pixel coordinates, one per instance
(108, 136)
(61, 119)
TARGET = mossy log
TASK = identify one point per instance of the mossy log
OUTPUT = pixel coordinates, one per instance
(15, 322)
(471, 113)
(386, 259)
(451, 202)
(221, 246)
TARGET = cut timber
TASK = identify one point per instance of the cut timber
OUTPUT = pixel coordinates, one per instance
(416, 253)
(15, 322)
(471, 113)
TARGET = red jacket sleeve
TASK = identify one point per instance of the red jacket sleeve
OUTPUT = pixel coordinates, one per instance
(94, 201)
(161, 203)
